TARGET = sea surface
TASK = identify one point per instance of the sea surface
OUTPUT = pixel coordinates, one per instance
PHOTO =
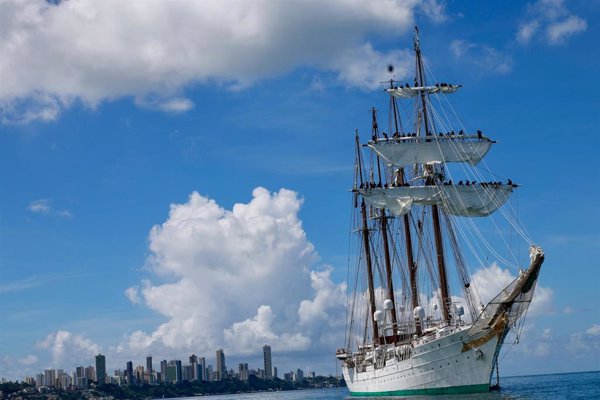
(581, 385)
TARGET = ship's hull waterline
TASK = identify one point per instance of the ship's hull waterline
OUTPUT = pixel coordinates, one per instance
(437, 367)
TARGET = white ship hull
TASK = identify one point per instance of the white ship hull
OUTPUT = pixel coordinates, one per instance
(439, 366)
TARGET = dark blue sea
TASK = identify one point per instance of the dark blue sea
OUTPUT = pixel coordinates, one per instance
(581, 385)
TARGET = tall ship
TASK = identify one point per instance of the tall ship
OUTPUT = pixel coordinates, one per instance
(427, 209)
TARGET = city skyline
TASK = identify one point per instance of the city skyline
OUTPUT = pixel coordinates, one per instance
(178, 185)
(172, 371)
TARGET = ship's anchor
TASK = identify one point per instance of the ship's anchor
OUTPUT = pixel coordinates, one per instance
(478, 354)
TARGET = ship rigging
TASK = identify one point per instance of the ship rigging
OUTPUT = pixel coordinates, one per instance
(419, 195)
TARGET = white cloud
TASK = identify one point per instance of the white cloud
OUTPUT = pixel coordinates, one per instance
(132, 293)
(435, 10)
(64, 214)
(559, 32)
(485, 59)
(527, 30)
(490, 281)
(552, 20)
(366, 68)
(40, 206)
(175, 105)
(547, 333)
(34, 106)
(236, 278)
(91, 51)
(585, 343)
(460, 47)
(542, 302)
(328, 305)
(594, 330)
(247, 336)
(28, 360)
(569, 310)
(67, 348)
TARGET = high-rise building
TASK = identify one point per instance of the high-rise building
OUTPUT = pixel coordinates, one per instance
(50, 377)
(149, 368)
(268, 361)
(80, 377)
(275, 372)
(101, 369)
(129, 373)
(39, 380)
(243, 372)
(299, 376)
(221, 370)
(163, 371)
(119, 377)
(195, 369)
(179, 372)
(61, 382)
(202, 368)
(188, 373)
(90, 374)
(171, 373)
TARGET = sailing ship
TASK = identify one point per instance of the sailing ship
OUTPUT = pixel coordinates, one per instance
(419, 195)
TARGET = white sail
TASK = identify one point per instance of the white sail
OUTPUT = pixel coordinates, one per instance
(409, 92)
(379, 198)
(404, 151)
(477, 200)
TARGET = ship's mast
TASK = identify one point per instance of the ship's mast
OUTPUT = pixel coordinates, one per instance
(395, 110)
(439, 247)
(412, 266)
(384, 237)
(367, 248)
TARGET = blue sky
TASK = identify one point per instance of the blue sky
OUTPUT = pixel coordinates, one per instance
(111, 113)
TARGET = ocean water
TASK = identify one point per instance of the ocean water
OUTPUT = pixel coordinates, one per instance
(582, 385)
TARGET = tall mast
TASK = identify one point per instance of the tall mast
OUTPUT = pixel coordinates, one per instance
(375, 131)
(412, 271)
(384, 236)
(412, 266)
(441, 263)
(367, 248)
(394, 109)
(439, 247)
(421, 80)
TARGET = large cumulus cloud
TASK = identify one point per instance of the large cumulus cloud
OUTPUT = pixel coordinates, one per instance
(90, 51)
(237, 278)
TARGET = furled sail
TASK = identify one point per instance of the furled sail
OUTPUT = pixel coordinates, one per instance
(412, 91)
(404, 151)
(478, 200)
